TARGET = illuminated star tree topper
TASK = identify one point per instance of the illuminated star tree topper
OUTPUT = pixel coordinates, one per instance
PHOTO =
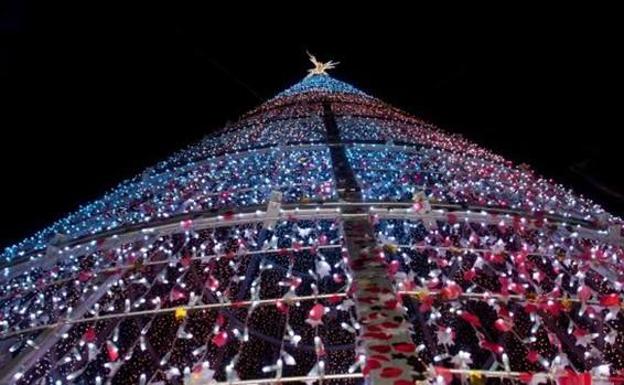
(320, 68)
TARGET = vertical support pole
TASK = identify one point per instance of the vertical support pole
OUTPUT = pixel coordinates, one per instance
(384, 324)
(385, 329)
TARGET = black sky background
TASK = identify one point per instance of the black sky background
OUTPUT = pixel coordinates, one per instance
(94, 94)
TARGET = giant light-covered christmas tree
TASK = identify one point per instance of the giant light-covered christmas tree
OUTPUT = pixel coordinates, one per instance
(326, 237)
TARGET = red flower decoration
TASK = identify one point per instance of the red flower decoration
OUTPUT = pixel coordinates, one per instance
(393, 268)
(374, 328)
(380, 348)
(609, 300)
(186, 261)
(390, 325)
(220, 339)
(451, 292)
(112, 351)
(187, 224)
(470, 274)
(84, 276)
(503, 325)
(584, 293)
(212, 283)
(471, 319)
(377, 336)
(315, 315)
(491, 346)
(404, 347)
(373, 364)
(391, 304)
(335, 299)
(176, 294)
(445, 373)
(90, 334)
(391, 372)
(530, 308)
(532, 356)
(281, 306)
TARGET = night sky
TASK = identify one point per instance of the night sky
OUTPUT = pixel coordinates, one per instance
(93, 96)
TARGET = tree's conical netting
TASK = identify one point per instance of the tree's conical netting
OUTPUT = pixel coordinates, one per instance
(320, 83)
(324, 237)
